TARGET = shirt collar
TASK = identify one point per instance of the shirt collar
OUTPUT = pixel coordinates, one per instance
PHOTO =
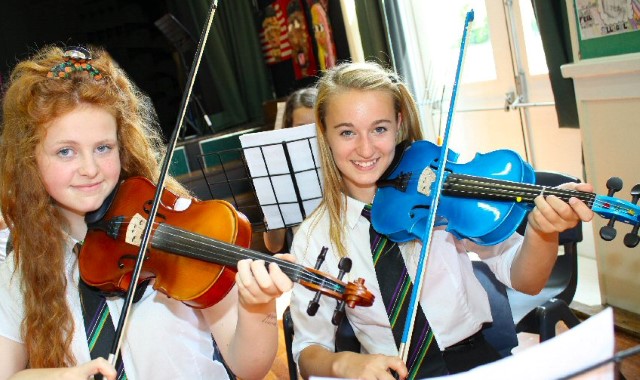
(354, 211)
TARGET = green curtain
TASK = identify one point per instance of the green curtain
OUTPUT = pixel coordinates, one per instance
(234, 58)
(373, 32)
(556, 41)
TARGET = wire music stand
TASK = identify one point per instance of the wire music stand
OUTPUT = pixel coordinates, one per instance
(228, 176)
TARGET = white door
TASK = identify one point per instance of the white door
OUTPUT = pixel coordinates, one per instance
(504, 99)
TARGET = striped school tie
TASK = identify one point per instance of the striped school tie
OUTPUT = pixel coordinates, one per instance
(98, 326)
(425, 358)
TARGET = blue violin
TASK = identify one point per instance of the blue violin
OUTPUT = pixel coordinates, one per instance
(484, 200)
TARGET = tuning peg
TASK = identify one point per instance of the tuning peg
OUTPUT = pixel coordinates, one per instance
(614, 184)
(608, 232)
(635, 194)
(338, 313)
(314, 304)
(632, 239)
(321, 257)
(345, 267)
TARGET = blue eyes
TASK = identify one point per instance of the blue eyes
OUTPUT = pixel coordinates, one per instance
(104, 148)
(377, 131)
(380, 129)
(70, 152)
(65, 152)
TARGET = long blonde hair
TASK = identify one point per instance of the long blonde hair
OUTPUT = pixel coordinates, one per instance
(367, 76)
(31, 102)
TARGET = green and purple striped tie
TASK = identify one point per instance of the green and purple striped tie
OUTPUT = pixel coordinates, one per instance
(98, 325)
(425, 358)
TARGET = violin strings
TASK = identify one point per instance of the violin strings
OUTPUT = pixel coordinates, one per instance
(491, 188)
(196, 245)
(233, 250)
(512, 189)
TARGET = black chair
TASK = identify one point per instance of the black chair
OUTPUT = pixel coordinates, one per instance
(345, 340)
(539, 314)
(287, 324)
(501, 334)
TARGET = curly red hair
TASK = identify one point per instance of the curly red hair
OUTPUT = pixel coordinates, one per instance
(30, 103)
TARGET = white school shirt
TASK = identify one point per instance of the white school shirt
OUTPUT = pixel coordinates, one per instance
(4, 238)
(164, 339)
(455, 303)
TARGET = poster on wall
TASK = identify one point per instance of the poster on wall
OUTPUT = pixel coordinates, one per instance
(274, 35)
(600, 18)
(322, 33)
(285, 35)
(304, 60)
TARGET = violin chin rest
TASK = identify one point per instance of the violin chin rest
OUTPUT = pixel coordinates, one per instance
(399, 153)
(95, 216)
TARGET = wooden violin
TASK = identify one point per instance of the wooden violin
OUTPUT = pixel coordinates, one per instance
(192, 254)
(484, 200)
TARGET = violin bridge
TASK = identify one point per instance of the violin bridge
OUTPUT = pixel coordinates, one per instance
(427, 178)
(135, 229)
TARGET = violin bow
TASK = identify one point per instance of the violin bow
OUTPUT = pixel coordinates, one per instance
(115, 349)
(426, 241)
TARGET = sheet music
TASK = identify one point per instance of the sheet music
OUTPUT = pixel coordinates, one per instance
(273, 179)
(592, 341)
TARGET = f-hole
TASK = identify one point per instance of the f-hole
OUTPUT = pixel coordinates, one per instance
(147, 208)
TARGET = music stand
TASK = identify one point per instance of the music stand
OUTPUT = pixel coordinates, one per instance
(252, 178)
(227, 177)
(285, 170)
(183, 42)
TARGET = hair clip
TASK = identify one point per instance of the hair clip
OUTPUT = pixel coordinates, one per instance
(393, 78)
(76, 58)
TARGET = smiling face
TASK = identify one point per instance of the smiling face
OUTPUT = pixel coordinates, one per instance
(79, 161)
(361, 129)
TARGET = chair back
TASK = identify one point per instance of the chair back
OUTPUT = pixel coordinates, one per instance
(501, 334)
(287, 324)
(345, 340)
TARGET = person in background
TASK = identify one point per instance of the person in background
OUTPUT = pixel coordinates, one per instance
(298, 110)
(74, 126)
(364, 116)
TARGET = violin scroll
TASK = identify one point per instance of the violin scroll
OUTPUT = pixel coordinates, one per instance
(616, 210)
(352, 294)
(356, 294)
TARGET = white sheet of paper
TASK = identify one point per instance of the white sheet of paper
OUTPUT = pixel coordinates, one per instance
(273, 179)
(591, 342)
